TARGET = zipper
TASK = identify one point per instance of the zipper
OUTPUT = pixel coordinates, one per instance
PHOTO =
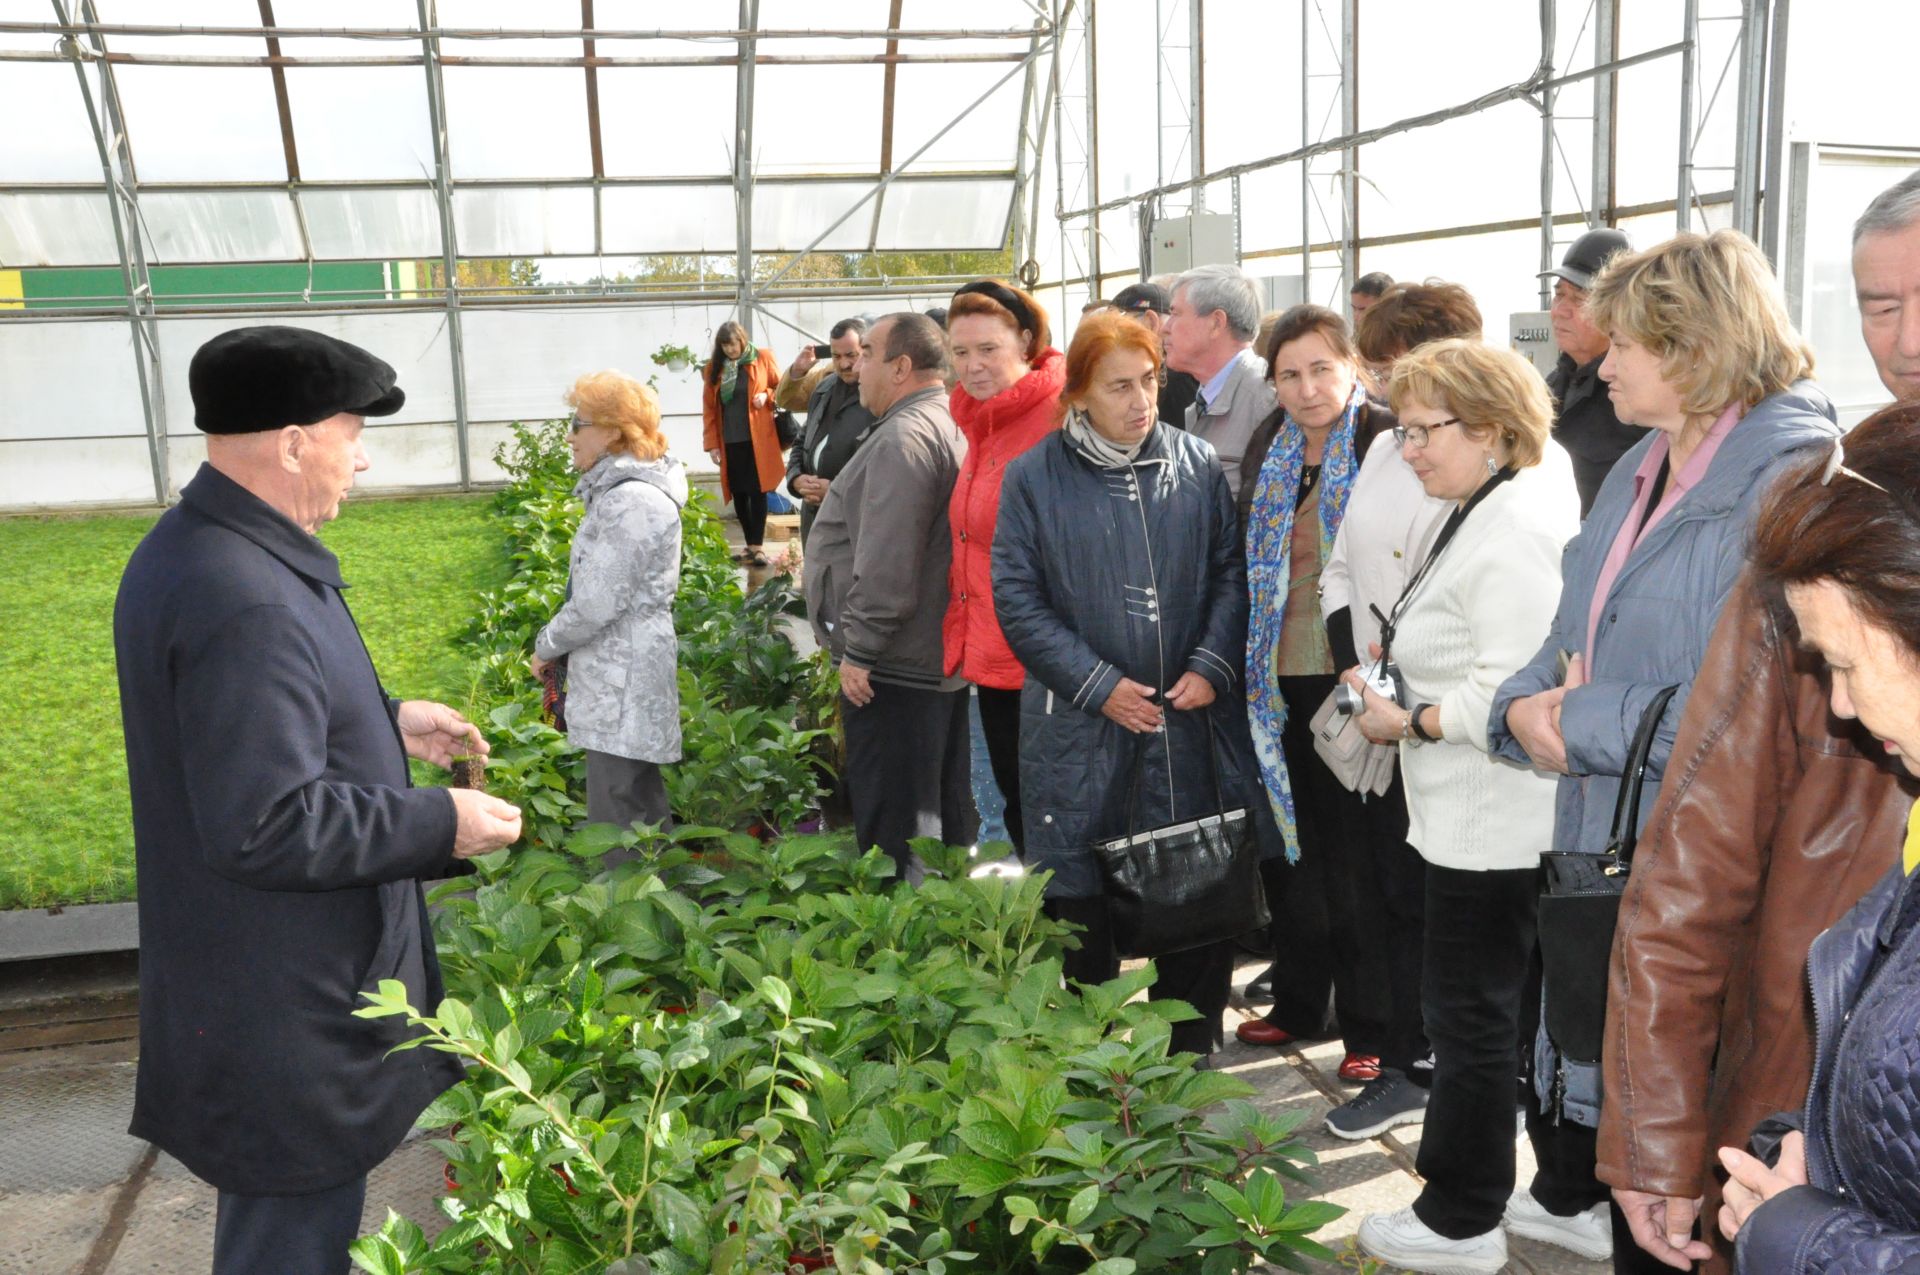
(1159, 641)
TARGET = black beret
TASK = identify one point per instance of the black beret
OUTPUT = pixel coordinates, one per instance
(261, 378)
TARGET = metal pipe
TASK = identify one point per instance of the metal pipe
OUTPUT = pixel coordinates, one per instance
(1682, 215)
(449, 248)
(509, 33)
(491, 183)
(1350, 155)
(743, 166)
(1606, 113)
(1750, 123)
(461, 60)
(1549, 35)
(1774, 187)
(1306, 166)
(1091, 63)
(1023, 147)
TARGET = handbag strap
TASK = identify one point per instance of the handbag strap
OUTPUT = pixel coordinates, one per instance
(1626, 804)
(1140, 765)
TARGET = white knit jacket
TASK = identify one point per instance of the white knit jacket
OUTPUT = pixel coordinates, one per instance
(1479, 615)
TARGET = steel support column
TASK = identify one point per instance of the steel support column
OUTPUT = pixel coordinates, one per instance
(1750, 118)
(1025, 165)
(1606, 114)
(1549, 33)
(743, 164)
(449, 248)
(1773, 207)
(1350, 156)
(1689, 70)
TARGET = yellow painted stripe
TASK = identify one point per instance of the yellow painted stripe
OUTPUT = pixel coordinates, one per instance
(12, 293)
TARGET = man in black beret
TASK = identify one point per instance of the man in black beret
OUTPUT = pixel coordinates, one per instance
(279, 845)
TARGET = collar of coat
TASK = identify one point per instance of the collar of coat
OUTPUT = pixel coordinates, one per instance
(1247, 366)
(902, 403)
(1037, 391)
(228, 503)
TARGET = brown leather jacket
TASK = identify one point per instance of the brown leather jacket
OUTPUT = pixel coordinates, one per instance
(1772, 821)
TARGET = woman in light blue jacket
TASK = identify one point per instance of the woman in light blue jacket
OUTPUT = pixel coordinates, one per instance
(1703, 352)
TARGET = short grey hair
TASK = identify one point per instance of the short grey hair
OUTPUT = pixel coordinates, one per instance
(1227, 289)
(1895, 208)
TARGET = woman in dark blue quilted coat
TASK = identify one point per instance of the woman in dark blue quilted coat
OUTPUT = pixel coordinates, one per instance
(1836, 1187)
(1119, 582)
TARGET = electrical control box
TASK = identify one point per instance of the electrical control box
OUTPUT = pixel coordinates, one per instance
(1533, 339)
(1193, 239)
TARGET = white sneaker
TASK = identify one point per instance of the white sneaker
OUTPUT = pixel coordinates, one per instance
(1589, 1233)
(1403, 1240)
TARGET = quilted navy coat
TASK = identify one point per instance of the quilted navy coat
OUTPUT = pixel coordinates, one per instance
(1100, 574)
(1860, 1211)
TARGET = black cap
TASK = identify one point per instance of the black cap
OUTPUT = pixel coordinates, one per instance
(1138, 297)
(1587, 254)
(261, 378)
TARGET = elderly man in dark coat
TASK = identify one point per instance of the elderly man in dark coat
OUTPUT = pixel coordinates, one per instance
(279, 845)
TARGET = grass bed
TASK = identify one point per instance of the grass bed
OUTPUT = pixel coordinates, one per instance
(415, 567)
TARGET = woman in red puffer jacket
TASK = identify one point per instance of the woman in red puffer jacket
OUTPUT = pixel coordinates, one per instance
(1006, 401)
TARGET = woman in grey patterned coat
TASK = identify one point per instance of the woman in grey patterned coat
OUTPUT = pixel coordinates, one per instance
(616, 627)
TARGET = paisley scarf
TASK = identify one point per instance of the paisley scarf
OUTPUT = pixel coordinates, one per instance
(730, 371)
(1269, 573)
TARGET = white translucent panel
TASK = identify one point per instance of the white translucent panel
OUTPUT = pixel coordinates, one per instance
(183, 13)
(1418, 57)
(944, 215)
(1850, 73)
(414, 344)
(64, 229)
(406, 456)
(1498, 269)
(803, 15)
(927, 98)
(523, 221)
(787, 218)
(515, 15)
(60, 146)
(667, 122)
(67, 379)
(203, 123)
(386, 15)
(364, 224)
(976, 15)
(817, 119)
(246, 225)
(360, 123)
(1128, 61)
(517, 121)
(1412, 181)
(1270, 211)
(89, 471)
(640, 219)
(28, 11)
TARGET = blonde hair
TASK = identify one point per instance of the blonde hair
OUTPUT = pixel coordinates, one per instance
(1708, 307)
(1493, 392)
(624, 405)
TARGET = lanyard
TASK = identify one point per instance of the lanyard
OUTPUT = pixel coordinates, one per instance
(1447, 531)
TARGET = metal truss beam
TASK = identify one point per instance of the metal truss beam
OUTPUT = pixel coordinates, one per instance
(449, 247)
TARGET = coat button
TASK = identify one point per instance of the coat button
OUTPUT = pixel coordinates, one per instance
(1048, 819)
(963, 537)
(963, 596)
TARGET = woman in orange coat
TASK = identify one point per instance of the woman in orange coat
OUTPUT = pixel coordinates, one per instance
(737, 406)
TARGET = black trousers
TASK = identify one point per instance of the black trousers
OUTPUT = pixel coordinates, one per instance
(907, 770)
(1480, 942)
(1327, 909)
(1000, 723)
(1399, 877)
(749, 502)
(287, 1235)
(1201, 976)
(621, 790)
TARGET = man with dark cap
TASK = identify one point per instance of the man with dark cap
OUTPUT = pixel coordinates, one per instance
(1148, 304)
(278, 842)
(1584, 422)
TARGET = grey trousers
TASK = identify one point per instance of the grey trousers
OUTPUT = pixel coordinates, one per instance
(621, 790)
(287, 1235)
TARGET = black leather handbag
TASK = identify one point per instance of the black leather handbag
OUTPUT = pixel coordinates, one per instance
(1580, 906)
(1185, 885)
(786, 428)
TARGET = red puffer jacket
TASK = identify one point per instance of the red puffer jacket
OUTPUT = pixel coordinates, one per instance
(997, 430)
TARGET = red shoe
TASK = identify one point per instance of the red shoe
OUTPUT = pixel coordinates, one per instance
(1258, 1031)
(1358, 1069)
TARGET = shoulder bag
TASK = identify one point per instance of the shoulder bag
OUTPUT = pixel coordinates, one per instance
(1580, 906)
(786, 428)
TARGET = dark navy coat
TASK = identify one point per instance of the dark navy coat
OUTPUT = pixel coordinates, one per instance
(1860, 1211)
(278, 847)
(1104, 573)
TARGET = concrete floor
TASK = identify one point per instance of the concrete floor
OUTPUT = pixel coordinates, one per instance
(78, 1196)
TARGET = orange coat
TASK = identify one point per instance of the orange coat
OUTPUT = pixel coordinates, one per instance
(761, 374)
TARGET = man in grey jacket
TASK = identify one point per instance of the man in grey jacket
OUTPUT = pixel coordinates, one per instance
(1209, 334)
(876, 589)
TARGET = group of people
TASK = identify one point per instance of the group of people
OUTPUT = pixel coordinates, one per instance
(1465, 642)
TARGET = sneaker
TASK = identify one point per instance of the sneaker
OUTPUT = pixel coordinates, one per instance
(1588, 1233)
(1403, 1240)
(1390, 1100)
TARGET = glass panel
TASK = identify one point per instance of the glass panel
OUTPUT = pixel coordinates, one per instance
(371, 14)
(57, 230)
(515, 15)
(804, 15)
(787, 217)
(60, 146)
(528, 221)
(945, 215)
(187, 13)
(1412, 180)
(28, 11)
(201, 123)
(518, 121)
(926, 100)
(94, 471)
(69, 380)
(1498, 269)
(251, 225)
(976, 15)
(817, 119)
(695, 141)
(667, 219)
(361, 123)
(1417, 57)
(1252, 87)
(371, 224)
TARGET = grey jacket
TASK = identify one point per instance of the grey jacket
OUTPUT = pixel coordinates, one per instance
(1242, 404)
(877, 559)
(616, 628)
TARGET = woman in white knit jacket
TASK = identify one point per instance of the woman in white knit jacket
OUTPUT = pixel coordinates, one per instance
(1474, 427)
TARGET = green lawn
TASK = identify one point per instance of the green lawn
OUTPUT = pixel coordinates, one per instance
(65, 829)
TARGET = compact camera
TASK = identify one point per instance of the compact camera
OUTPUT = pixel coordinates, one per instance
(1383, 677)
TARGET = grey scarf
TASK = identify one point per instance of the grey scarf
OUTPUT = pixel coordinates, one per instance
(1096, 447)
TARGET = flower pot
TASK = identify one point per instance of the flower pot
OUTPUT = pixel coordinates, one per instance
(677, 365)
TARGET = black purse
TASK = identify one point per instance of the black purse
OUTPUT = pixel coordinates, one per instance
(1186, 885)
(1580, 906)
(786, 428)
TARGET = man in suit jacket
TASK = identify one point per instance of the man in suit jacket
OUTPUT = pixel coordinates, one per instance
(278, 843)
(1209, 334)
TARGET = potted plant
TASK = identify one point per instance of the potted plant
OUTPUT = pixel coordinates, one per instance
(675, 358)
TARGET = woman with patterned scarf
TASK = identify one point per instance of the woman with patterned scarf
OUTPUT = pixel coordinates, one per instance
(737, 408)
(1303, 461)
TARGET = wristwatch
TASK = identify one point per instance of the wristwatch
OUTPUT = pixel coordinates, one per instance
(1419, 731)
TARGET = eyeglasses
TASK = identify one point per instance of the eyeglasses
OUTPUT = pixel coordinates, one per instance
(1419, 434)
(577, 423)
(1837, 464)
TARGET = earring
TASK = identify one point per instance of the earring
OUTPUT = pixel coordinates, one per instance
(1492, 467)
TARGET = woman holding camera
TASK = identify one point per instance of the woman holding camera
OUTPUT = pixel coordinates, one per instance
(1474, 425)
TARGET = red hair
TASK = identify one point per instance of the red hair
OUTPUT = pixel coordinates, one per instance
(1098, 336)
